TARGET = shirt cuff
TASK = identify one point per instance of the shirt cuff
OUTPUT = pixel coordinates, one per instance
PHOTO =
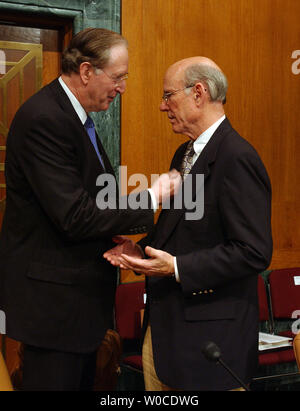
(153, 199)
(176, 270)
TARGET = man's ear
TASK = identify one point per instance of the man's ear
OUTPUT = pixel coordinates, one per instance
(85, 71)
(200, 88)
(200, 91)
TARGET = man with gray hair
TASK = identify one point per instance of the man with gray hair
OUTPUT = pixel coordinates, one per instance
(56, 290)
(201, 275)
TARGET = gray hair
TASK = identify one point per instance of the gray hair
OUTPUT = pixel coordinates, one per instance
(214, 79)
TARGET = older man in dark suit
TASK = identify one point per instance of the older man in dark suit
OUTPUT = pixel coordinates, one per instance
(202, 273)
(56, 290)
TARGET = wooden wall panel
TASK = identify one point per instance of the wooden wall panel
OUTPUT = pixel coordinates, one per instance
(254, 47)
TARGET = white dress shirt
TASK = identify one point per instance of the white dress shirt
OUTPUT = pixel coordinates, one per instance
(75, 103)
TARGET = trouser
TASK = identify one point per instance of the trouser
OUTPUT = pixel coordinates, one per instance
(152, 382)
(49, 370)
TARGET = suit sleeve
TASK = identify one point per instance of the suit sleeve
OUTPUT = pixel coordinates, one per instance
(50, 163)
(245, 208)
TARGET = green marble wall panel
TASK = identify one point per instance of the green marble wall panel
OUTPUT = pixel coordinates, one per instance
(84, 13)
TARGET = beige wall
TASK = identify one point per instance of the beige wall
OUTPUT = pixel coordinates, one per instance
(252, 41)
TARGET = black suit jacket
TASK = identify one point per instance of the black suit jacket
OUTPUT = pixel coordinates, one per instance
(55, 288)
(218, 258)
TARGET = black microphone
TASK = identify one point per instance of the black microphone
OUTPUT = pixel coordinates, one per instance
(213, 353)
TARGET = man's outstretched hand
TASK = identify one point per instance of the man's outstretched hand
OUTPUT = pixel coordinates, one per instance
(124, 246)
(129, 256)
(159, 263)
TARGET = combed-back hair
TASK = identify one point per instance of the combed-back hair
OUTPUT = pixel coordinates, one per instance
(91, 45)
(214, 79)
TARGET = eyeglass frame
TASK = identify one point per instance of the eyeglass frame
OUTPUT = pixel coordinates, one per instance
(116, 82)
(169, 94)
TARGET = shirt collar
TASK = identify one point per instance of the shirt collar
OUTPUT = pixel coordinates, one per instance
(206, 135)
(75, 103)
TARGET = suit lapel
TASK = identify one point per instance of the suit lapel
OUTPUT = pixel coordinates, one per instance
(169, 218)
(105, 159)
(63, 100)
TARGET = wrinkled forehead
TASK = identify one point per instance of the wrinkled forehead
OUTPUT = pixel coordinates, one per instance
(174, 76)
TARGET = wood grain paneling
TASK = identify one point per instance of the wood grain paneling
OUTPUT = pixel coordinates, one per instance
(252, 41)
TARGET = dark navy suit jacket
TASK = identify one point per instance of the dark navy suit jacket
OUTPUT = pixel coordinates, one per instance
(56, 289)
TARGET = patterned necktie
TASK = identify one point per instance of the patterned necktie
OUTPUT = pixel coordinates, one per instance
(187, 161)
(90, 128)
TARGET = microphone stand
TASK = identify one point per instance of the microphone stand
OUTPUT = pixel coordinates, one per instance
(220, 361)
(213, 353)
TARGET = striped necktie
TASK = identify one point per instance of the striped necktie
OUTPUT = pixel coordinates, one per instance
(187, 161)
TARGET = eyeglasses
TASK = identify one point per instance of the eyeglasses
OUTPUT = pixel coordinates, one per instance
(116, 80)
(166, 96)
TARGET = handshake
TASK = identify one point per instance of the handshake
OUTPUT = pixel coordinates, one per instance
(129, 255)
